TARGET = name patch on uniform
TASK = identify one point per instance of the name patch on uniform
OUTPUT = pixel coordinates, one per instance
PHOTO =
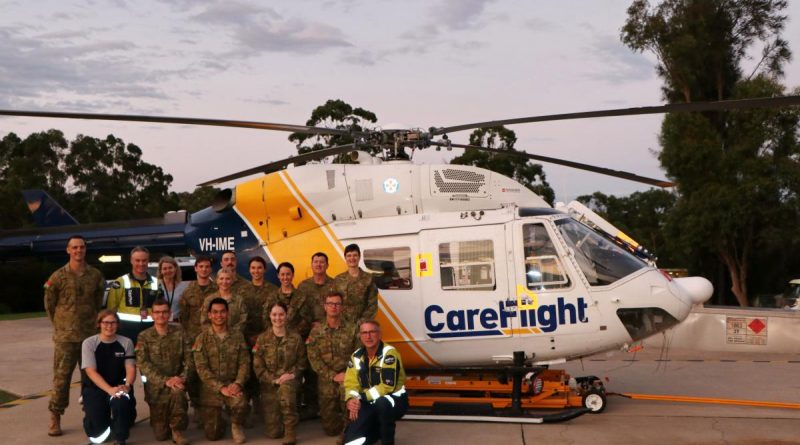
(389, 360)
(119, 354)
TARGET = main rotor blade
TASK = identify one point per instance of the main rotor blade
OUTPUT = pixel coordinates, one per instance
(277, 165)
(740, 104)
(578, 165)
(179, 120)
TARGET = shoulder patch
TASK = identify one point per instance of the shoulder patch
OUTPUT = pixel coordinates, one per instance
(389, 360)
(197, 346)
(48, 283)
(309, 340)
(114, 285)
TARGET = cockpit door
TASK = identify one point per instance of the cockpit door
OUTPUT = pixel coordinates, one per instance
(551, 296)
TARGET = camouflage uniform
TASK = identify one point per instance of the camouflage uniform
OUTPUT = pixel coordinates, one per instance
(360, 295)
(329, 351)
(191, 304)
(240, 285)
(272, 357)
(220, 362)
(311, 295)
(159, 358)
(72, 303)
(237, 312)
(254, 298)
(316, 294)
(298, 319)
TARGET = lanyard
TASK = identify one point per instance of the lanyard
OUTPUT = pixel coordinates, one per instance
(166, 293)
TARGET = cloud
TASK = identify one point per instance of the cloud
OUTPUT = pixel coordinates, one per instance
(619, 63)
(448, 17)
(460, 14)
(265, 100)
(539, 24)
(364, 57)
(34, 70)
(293, 36)
(255, 29)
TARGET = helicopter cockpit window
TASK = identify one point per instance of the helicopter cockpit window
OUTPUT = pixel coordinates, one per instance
(543, 269)
(467, 265)
(601, 260)
(390, 267)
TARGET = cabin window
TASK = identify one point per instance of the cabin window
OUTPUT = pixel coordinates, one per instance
(543, 268)
(390, 267)
(467, 265)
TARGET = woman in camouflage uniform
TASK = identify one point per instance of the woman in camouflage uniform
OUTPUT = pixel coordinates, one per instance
(279, 358)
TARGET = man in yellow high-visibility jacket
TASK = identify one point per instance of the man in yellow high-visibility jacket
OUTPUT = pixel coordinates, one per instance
(374, 389)
(132, 295)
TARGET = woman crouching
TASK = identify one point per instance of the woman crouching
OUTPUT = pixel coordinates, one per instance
(109, 368)
(279, 358)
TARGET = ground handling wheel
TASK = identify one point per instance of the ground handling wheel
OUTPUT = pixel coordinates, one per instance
(595, 400)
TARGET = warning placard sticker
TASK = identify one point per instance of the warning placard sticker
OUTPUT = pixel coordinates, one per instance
(746, 331)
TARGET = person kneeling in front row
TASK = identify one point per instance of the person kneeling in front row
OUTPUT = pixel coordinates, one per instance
(109, 369)
(374, 389)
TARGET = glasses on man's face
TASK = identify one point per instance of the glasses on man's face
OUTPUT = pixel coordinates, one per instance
(368, 332)
(333, 304)
(108, 323)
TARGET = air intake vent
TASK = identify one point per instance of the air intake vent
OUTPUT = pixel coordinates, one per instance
(451, 180)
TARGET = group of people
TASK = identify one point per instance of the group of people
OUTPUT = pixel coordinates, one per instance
(223, 342)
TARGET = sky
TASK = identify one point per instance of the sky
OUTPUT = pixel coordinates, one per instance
(415, 63)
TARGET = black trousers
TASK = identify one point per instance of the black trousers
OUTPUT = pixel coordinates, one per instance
(376, 421)
(105, 415)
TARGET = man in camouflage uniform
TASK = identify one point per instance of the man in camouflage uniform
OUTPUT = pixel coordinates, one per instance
(313, 291)
(192, 298)
(240, 285)
(317, 287)
(190, 303)
(222, 361)
(329, 347)
(72, 297)
(360, 293)
(163, 357)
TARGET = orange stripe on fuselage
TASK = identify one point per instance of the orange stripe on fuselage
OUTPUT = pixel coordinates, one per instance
(295, 240)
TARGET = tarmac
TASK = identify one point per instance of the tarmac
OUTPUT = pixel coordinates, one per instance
(26, 370)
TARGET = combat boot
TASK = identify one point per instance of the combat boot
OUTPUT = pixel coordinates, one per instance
(54, 429)
(177, 438)
(237, 431)
(288, 435)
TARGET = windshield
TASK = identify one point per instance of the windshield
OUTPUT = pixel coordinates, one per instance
(601, 260)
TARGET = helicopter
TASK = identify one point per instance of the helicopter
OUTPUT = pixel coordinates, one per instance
(472, 267)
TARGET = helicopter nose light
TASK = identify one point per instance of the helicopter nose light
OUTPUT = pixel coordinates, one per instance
(698, 289)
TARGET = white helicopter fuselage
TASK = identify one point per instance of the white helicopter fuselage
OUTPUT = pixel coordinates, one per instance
(471, 266)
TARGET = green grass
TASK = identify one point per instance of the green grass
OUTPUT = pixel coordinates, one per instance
(7, 397)
(22, 315)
